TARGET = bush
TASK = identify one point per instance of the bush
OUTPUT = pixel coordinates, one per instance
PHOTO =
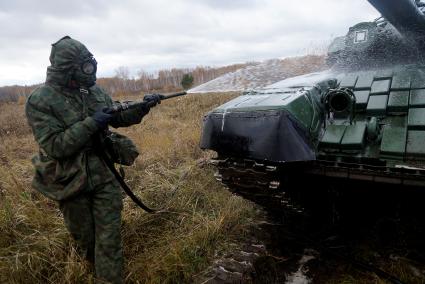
(187, 81)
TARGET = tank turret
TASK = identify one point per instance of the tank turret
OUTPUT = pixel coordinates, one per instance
(399, 35)
(405, 15)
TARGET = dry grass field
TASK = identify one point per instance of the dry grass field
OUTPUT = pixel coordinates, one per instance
(168, 247)
(202, 222)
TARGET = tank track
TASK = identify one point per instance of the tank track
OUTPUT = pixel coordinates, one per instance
(325, 191)
(258, 182)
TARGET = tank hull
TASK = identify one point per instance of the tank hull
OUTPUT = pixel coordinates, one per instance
(269, 140)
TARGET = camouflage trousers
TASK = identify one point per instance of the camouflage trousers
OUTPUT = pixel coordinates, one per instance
(94, 220)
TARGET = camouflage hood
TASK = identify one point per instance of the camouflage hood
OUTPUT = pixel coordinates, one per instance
(65, 58)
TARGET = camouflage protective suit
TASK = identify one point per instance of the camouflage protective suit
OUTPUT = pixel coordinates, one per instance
(67, 168)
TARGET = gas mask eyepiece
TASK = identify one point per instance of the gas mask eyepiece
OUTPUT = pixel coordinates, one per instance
(89, 66)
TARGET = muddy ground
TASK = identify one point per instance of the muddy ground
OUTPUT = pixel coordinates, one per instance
(297, 252)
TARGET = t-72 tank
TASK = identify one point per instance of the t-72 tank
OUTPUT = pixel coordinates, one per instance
(316, 135)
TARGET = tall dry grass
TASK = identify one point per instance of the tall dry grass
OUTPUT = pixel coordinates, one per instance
(169, 247)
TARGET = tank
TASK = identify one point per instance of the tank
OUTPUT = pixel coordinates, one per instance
(354, 132)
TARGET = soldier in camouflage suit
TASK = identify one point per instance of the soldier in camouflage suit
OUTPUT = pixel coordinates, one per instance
(66, 116)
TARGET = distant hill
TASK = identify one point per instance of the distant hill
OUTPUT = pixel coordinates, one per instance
(262, 74)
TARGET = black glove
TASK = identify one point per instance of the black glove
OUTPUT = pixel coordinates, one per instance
(153, 99)
(102, 118)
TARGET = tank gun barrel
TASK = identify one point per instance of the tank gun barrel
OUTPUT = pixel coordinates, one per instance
(404, 15)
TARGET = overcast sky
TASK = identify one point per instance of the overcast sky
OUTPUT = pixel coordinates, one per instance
(157, 34)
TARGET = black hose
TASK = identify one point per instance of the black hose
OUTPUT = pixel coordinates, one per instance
(124, 186)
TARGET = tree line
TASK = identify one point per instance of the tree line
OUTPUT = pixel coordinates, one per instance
(162, 81)
(13, 93)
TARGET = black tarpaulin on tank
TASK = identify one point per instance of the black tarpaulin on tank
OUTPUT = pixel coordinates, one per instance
(264, 135)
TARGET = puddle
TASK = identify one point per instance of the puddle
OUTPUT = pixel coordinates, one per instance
(300, 276)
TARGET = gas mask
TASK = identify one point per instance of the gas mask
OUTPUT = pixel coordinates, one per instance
(85, 72)
(72, 64)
